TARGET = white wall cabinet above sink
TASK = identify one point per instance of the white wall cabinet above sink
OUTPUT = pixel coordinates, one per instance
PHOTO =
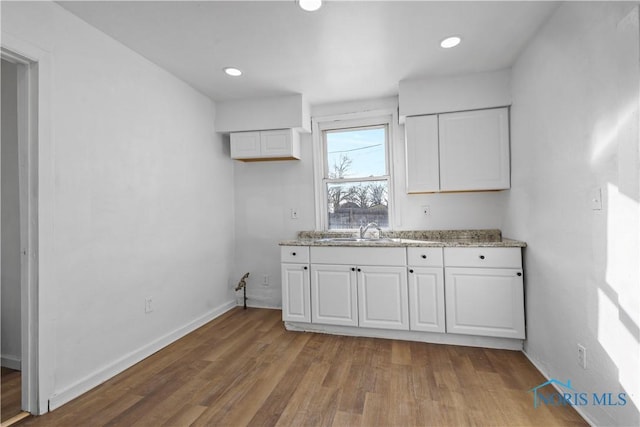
(463, 151)
(282, 144)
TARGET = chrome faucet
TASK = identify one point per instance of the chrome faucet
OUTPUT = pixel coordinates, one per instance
(363, 229)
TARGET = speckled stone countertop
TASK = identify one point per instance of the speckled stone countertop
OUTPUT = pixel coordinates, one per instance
(409, 238)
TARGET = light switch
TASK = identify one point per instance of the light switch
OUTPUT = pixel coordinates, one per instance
(596, 199)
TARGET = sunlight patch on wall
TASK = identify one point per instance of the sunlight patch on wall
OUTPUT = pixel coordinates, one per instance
(606, 131)
(619, 297)
(623, 249)
(620, 344)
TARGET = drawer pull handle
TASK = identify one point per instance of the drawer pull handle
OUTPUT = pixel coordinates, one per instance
(293, 253)
(424, 257)
(481, 256)
(411, 271)
(353, 269)
(305, 267)
(519, 274)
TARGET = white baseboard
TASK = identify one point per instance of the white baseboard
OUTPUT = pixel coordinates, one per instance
(102, 375)
(268, 307)
(578, 409)
(428, 337)
(11, 362)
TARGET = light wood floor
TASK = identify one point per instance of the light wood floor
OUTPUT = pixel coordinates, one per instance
(10, 386)
(244, 368)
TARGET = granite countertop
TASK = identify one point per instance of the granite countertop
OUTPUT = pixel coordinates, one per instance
(408, 238)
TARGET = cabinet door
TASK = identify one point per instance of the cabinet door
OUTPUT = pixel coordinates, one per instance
(276, 143)
(485, 301)
(474, 150)
(334, 298)
(421, 151)
(383, 300)
(245, 145)
(296, 293)
(426, 298)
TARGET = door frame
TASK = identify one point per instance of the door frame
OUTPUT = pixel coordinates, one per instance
(27, 105)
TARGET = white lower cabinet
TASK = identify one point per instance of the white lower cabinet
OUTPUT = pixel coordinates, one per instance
(296, 290)
(459, 290)
(383, 301)
(426, 289)
(484, 301)
(426, 299)
(296, 293)
(334, 298)
(347, 290)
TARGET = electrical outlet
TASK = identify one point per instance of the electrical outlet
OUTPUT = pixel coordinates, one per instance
(265, 280)
(596, 199)
(426, 210)
(582, 356)
(148, 305)
(294, 213)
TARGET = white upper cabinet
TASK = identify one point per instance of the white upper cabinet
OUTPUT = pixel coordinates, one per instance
(422, 154)
(474, 150)
(464, 151)
(245, 145)
(283, 144)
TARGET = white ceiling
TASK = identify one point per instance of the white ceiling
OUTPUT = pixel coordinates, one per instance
(345, 51)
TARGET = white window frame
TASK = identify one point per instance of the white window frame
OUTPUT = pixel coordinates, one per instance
(319, 125)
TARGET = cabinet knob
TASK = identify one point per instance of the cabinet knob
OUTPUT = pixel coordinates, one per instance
(305, 267)
(293, 253)
(411, 271)
(359, 270)
(424, 257)
(519, 274)
(481, 256)
(353, 269)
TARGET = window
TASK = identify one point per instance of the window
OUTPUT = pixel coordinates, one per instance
(356, 178)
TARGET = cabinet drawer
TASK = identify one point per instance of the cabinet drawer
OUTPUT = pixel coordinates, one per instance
(297, 254)
(483, 257)
(424, 257)
(358, 256)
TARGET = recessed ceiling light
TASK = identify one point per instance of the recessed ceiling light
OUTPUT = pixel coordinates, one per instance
(310, 5)
(233, 72)
(450, 42)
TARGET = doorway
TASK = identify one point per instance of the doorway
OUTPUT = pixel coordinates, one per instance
(18, 229)
(10, 347)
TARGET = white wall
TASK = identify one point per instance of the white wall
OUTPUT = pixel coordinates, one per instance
(575, 128)
(454, 93)
(11, 342)
(278, 112)
(138, 192)
(265, 192)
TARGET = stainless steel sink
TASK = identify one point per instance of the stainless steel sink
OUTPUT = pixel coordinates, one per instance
(369, 240)
(355, 239)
